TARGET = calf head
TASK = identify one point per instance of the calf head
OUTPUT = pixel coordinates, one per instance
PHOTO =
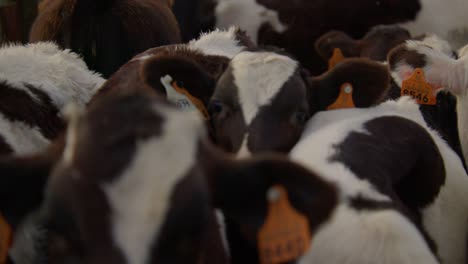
(442, 72)
(374, 45)
(263, 100)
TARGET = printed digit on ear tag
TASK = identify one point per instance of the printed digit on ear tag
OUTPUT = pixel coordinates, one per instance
(336, 58)
(6, 235)
(182, 98)
(345, 98)
(417, 87)
(285, 235)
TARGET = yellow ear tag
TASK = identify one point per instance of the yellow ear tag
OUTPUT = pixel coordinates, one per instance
(182, 98)
(285, 235)
(6, 235)
(336, 58)
(345, 98)
(417, 87)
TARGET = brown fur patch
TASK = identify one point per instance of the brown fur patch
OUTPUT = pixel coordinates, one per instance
(17, 105)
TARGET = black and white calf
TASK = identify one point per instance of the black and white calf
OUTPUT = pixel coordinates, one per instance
(403, 188)
(135, 183)
(36, 82)
(264, 99)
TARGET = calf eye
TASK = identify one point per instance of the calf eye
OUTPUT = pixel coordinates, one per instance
(215, 109)
(180, 84)
(301, 117)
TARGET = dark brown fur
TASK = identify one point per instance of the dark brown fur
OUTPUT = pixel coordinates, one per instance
(308, 20)
(397, 166)
(106, 33)
(375, 45)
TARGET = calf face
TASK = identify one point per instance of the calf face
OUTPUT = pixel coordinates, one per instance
(263, 100)
(374, 45)
(135, 182)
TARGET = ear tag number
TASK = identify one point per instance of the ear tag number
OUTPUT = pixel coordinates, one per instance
(182, 98)
(285, 235)
(345, 98)
(336, 58)
(417, 87)
(6, 235)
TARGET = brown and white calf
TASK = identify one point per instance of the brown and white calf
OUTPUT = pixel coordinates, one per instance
(36, 82)
(403, 188)
(296, 25)
(107, 33)
(137, 188)
(442, 72)
(264, 99)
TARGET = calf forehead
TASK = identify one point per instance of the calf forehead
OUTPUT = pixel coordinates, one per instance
(258, 77)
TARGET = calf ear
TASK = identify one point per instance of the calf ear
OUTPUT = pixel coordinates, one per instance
(370, 82)
(187, 73)
(332, 40)
(23, 180)
(240, 190)
(440, 70)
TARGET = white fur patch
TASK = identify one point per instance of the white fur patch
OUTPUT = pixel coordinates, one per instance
(248, 15)
(180, 100)
(445, 18)
(22, 138)
(61, 74)
(445, 219)
(259, 76)
(139, 198)
(218, 43)
(368, 237)
(463, 52)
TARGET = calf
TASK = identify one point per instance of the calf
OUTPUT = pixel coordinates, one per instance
(296, 25)
(263, 100)
(36, 82)
(107, 33)
(404, 189)
(441, 71)
(125, 188)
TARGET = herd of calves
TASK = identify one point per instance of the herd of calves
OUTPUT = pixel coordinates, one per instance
(219, 151)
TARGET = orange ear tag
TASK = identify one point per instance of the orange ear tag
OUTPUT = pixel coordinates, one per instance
(182, 98)
(6, 235)
(345, 98)
(285, 235)
(417, 87)
(336, 58)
